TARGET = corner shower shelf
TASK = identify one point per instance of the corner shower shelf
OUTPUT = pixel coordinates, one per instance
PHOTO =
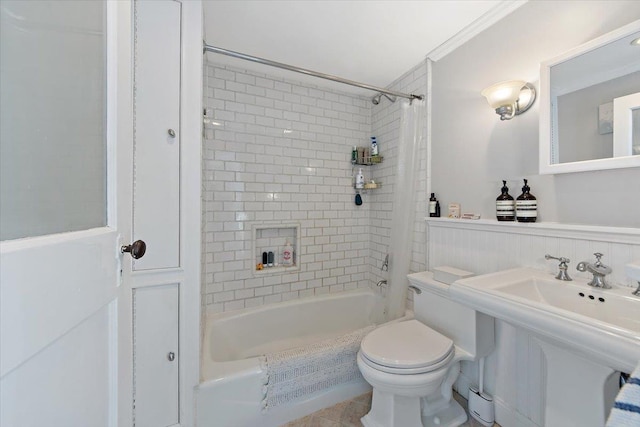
(369, 161)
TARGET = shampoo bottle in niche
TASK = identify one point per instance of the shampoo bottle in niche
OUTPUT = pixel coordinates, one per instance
(526, 205)
(505, 205)
(360, 179)
(287, 254)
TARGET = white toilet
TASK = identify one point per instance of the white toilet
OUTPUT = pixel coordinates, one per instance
(413, 364)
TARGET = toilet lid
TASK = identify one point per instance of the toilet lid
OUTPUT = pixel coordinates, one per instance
(406, 345)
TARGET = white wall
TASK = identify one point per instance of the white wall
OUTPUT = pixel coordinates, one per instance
(473, 150)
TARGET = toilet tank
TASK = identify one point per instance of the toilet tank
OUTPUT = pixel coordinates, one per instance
(469, 329)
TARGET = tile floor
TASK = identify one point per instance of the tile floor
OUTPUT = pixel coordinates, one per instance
(348, 414)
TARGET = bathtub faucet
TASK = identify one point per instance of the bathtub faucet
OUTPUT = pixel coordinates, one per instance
(385, 264)
(381, 283)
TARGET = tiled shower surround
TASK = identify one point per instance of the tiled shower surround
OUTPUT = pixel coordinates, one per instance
(277, 151)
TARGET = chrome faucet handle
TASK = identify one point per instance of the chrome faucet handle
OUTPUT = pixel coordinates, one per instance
(598, 255)
(599, 267)
(599, 271)
(562, 267)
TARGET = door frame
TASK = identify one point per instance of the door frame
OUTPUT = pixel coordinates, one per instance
(191, 123)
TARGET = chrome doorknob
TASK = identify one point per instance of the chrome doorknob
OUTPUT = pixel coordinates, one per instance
(172, 133)
(137, 249)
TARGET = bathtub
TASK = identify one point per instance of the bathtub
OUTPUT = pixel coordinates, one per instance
(230, 391)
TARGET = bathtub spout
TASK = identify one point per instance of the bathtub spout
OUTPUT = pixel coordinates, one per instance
(381, 283)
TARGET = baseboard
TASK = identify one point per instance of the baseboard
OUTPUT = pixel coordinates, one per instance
(507, 416)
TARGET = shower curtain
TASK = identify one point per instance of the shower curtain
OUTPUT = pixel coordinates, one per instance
(411, 140)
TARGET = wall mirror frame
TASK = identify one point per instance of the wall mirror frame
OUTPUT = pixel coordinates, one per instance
(622, 157)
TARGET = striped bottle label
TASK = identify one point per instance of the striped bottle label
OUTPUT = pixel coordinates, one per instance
(505, 207)
(526, 208)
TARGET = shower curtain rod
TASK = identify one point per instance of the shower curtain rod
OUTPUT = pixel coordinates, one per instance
(214, 49)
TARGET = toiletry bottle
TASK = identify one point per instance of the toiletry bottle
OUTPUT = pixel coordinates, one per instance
(354, 155)
(433, 202)
(270, 259)
(505, 205)
(287, 254)
(526, 205)
(374, 146)
(360, 159)
(360, 179)
(437, 215)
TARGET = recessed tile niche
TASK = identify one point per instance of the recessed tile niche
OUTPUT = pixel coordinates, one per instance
(273, 238)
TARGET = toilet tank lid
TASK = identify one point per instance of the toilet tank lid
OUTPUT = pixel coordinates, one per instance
(409, 344)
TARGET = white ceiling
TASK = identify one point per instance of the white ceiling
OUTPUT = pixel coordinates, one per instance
(373, 42)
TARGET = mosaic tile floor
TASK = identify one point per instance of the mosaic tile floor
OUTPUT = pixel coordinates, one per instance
(348, 414)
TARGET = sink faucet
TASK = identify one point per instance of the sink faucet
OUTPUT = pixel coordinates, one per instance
(599, 271)
(562, 267)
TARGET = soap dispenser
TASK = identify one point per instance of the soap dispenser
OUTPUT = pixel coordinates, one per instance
(526, 205)
(505, 205)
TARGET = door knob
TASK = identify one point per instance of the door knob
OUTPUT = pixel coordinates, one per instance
(172, 133)
(171, 356)
(137, 249)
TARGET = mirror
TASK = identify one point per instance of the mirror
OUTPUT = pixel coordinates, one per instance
(590, 105)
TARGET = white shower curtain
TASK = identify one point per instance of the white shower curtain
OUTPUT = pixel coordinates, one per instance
(411, 139)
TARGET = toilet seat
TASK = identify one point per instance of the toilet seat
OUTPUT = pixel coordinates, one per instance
(406, 348)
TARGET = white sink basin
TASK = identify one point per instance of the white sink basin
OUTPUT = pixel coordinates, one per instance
(603, 322)
(585, 333)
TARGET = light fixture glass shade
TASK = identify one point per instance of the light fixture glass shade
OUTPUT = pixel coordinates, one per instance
(503, 93)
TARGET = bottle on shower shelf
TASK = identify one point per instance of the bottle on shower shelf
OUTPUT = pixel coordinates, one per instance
(360, 179)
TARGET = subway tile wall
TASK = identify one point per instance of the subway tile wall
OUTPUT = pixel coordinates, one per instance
(276, 151)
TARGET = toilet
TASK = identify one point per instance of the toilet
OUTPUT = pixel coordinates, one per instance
(413, 364)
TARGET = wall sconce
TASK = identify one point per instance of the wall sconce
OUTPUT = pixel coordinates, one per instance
(510, 98)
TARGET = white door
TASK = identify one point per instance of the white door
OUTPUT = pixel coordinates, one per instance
(65, 296)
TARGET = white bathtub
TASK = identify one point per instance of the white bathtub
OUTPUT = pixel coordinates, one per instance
(230, 391)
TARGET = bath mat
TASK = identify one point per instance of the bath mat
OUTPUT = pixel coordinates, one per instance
(297, 373)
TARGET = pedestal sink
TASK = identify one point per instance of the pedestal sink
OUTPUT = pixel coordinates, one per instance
(587, 334)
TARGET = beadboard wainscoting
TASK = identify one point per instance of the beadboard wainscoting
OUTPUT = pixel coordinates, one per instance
(515, 371)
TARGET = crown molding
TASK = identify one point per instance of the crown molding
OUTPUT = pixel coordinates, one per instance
(498, 12)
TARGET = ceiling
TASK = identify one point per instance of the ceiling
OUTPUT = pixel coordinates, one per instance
(373, 42)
